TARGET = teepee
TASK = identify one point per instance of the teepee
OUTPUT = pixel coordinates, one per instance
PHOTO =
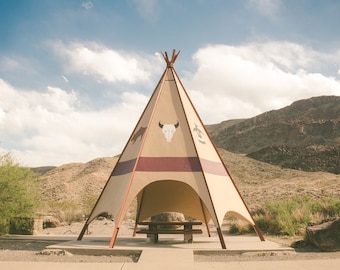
(170, 165)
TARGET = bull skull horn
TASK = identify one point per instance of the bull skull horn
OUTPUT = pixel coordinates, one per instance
(160, 124)
(177, 124)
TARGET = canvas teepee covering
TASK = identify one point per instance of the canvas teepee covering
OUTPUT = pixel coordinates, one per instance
(171, 165)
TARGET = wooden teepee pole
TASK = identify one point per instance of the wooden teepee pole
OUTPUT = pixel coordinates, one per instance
(170, 63)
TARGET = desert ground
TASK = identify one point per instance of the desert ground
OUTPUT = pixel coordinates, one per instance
(35, 250)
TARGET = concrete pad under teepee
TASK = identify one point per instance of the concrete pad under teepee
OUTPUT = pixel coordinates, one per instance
(204, 245)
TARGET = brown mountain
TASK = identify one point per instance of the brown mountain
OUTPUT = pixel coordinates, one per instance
(303, 136)
(258, 182)
(74, 181)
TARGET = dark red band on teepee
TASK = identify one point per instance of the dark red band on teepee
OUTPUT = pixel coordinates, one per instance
(168, 164)
(213, 167)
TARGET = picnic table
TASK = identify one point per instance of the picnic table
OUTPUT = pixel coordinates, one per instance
(174, 227)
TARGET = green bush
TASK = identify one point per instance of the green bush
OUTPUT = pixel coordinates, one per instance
(19, 192)
(21, 225)
(238, 226)
(234, 229)
(290, 217)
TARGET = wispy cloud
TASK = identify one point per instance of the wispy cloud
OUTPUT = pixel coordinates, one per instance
(50, 127)
(64, 78)
(268, 8)
(242, 81)
(148, 9)
(107, 64)
(87, 5)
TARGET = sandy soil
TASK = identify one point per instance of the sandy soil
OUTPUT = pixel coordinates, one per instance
(35, 250)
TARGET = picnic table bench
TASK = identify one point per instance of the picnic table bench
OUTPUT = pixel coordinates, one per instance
(160, 227)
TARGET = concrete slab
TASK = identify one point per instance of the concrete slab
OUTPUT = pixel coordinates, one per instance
(235, 244)
(168, 249)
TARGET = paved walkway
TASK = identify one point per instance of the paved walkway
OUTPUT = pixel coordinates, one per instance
(177, 265)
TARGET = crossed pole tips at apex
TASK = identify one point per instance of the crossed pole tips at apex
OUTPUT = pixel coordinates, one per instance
(170, 63)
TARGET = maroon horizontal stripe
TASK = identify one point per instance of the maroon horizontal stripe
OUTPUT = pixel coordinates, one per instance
(168, 164)
(213, 167)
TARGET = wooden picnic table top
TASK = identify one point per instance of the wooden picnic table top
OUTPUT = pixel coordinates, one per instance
(169, 223)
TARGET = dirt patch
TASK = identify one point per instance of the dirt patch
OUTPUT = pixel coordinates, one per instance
(37, 251)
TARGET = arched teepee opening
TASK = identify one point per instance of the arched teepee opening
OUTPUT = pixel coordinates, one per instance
(170, 196)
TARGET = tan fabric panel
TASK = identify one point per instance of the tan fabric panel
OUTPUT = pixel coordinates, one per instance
(112, 197)
(223, 192)
(141, 130)
(203, 144)
(226, 198)
(168, 111)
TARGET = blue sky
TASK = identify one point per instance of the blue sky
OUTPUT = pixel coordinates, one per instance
(76, 75)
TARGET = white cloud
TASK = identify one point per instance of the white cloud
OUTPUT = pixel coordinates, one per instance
(237, 82)
(106, 64)
(87, 5)
(49, 128)
(8, 63)
(15, 63)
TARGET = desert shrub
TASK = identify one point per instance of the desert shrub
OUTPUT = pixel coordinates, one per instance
(88, 203)
(19, 225)
(327, 208)
(240, 227)
(70, 211)
(66, 211)
(234, 229)
(290, 217)
(235, 225)
(286, 217)
(19, 192)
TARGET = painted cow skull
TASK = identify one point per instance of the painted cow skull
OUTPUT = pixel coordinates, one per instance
(168, 130)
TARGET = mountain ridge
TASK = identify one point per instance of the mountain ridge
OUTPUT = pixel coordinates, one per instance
(258, 182)
(304, 135)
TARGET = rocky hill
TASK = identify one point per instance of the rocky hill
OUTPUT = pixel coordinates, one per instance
(76, 181)
(258, 182)
(303, 136)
